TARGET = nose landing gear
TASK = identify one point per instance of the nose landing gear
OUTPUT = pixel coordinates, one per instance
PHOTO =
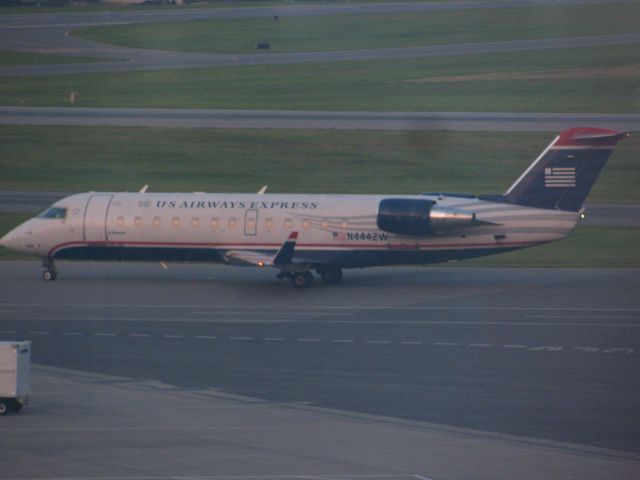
(50, 273)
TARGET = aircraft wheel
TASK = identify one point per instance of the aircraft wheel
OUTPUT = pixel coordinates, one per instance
(49, 275)
(302, 279)
(333, 275)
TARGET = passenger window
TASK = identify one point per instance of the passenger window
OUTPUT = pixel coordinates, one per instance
(195, 222)
(175, 222)
(305, 224)
(269, 223)
(287, 223)
(232, 223)
(54, 212)
(156, 222)
(137, 221)
(120, 221)
(215, 223)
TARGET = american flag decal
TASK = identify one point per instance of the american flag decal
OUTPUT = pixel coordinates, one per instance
(560, 177)
(338, 236)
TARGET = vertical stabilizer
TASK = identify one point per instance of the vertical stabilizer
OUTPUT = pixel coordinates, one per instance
(562, 176)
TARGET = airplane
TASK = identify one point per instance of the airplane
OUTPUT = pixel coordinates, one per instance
(298, 234)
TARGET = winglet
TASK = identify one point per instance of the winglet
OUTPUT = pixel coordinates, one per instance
(285, 254)
(262, 190)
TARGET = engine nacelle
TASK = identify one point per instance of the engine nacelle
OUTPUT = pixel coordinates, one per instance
(418, 217)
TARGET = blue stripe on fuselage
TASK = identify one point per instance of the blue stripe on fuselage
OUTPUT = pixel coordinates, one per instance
(344, 259)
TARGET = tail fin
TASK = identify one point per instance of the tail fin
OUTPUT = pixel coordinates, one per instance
(562, 176)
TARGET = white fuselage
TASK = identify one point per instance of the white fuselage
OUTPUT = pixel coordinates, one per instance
(332, 229)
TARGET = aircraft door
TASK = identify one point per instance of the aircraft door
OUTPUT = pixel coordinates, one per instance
(95, 218)
(251, 222)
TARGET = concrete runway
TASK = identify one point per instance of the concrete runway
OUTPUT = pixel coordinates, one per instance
(546, 354)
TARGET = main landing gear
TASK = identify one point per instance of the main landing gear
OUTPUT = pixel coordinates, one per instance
(305, 279)
(50, 273)
(302, 279)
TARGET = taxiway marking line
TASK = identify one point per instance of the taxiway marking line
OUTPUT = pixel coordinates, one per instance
(263, 309)
(327, 320)
(316, 340)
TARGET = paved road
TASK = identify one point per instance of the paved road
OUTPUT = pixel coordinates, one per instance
(550, 354)
(603, 214)
(296, 119)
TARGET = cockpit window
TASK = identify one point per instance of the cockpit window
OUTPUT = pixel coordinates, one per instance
(54, 212)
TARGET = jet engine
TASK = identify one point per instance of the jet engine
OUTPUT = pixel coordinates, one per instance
(420, 217)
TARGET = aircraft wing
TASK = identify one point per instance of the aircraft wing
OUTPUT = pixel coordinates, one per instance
(248, 258)
(282, 258)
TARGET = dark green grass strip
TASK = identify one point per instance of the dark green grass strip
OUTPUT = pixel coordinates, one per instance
(362, 31)
(367, 85)
(289, 161)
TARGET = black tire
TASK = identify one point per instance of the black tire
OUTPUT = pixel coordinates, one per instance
(302, 279)
(4, 407)
(49, 275)
(333, 275)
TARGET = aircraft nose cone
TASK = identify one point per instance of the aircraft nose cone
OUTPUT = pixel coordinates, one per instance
(5, 241)
(10, 240)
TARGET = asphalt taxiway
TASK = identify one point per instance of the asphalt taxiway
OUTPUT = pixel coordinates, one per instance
(298, 119)
(397, 373)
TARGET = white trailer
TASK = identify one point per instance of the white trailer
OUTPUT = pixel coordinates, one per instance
(15, 376)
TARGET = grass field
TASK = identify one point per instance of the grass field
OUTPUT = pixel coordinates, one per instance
(22, 58)
(351, 32)
(587, 247)
(95, 158)
(578, 80)
(74, 7)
